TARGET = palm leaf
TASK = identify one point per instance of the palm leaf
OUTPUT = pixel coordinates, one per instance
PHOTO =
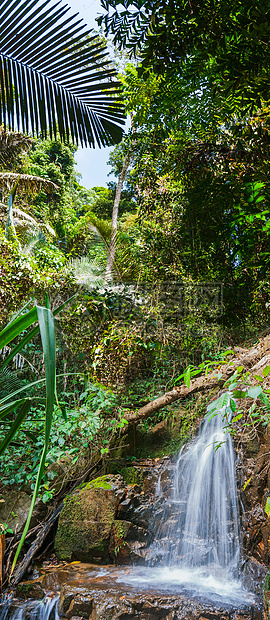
(11, 145)
(27, 181)
(51, 69)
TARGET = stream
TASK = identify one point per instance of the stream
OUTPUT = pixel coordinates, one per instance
(192, 563)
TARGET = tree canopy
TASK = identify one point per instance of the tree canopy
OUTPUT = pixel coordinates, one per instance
(227, 43)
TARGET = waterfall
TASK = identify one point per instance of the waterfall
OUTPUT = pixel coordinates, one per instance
(205, 527)
(30, 610)
(197, 526)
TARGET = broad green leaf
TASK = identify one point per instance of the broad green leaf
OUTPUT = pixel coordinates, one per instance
(267, 506)
(15, 316)
(264, 400)
(237, 418)
(224, 400)
(187, 375)
(6, 409)
(47, 331)
(240, 394)
(254, 392)
(233, 385)
(31, 335)
(233, 405)
(258, 377)
(266, 371)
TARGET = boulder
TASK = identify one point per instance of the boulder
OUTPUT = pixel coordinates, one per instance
(86, 520)
(14, 510)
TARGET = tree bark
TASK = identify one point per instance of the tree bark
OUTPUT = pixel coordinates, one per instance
(111, 257)
(252, 360)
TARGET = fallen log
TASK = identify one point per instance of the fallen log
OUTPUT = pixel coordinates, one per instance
(252, 360)
(20, 570)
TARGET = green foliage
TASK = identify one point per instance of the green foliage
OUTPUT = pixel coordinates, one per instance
(68, 437)
(230, 46)
(241, 388)
(267, 506)
(22, 406)
(102, 204)
(49, 257)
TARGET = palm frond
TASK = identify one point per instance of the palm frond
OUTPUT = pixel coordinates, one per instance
(27, 181)
(54, 76)
(91, 272)
(11, 145)
(9, 381)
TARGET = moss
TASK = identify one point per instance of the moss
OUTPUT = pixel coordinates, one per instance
(98, 483)
(132, 475)
(85, 522)
(121, 529)
(267, 582)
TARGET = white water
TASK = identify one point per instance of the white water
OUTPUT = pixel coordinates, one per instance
(198, 537)
(207, 528)
(36, 610)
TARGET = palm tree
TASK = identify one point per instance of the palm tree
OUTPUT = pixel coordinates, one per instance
(55, 78)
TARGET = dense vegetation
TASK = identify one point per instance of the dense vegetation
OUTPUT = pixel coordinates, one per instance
(193, 214)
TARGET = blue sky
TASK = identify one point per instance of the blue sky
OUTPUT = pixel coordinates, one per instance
(92, 163)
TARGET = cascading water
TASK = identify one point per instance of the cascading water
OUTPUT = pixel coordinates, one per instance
(206, 531)
(196, 548)
(34, 610)
(197, 539)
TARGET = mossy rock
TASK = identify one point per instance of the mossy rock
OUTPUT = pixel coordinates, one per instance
(103, 482)
(30, 589)
(132, 475)
(85, 522)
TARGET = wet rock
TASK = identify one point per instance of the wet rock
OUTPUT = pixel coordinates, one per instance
(150, 481)
(136, 508)
(40, 513)
(86, 520)
(160, 431)
(30, 589)
(75, 603)
(127, 542)
(253, 576)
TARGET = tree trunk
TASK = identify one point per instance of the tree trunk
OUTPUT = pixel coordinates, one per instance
(109, 267)
(253, 361)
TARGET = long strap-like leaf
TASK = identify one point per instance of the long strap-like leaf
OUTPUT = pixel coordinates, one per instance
(31, 334)
(16, 424)
(47, 331)
(16, 327)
